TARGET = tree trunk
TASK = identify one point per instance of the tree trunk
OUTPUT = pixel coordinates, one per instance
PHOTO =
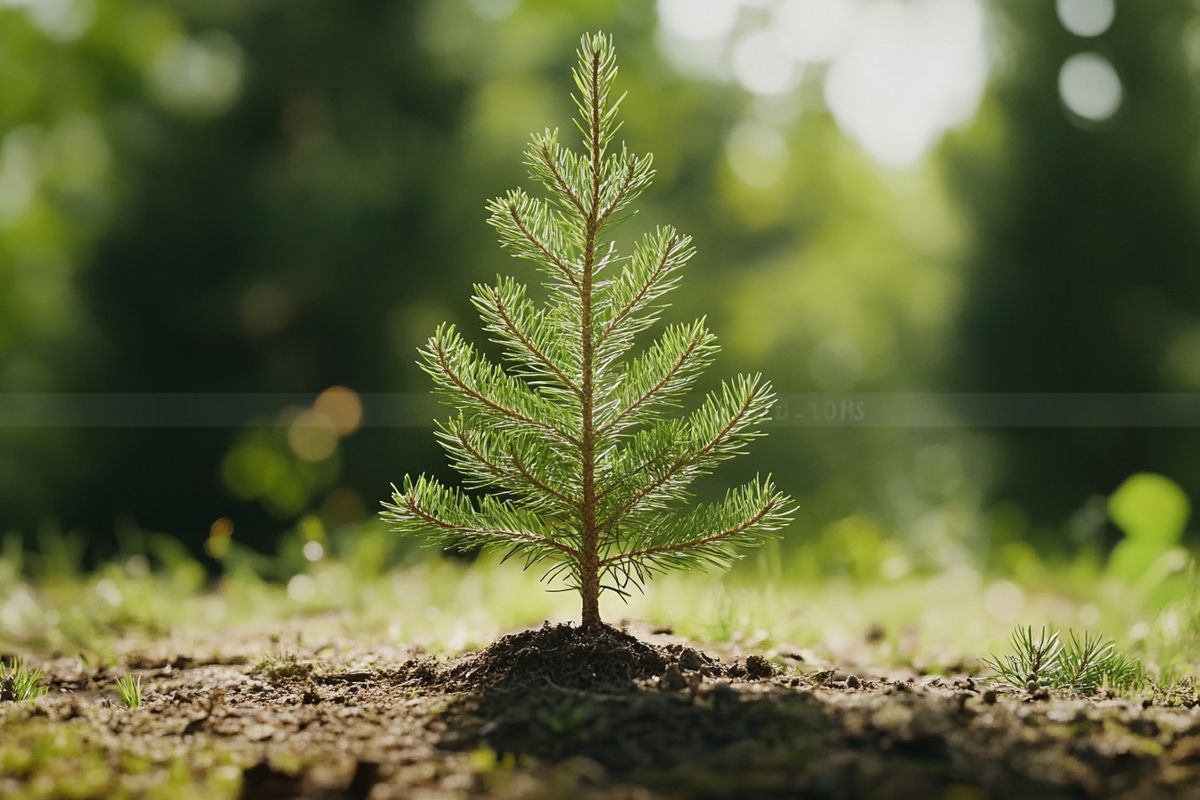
(589, 572)
(591, 600)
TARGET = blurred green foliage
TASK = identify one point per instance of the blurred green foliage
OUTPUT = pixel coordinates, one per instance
(1152, 511)
(285, 196)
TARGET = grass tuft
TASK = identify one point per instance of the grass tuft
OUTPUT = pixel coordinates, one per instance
(18, 682)
(283, 667)
(129, 687)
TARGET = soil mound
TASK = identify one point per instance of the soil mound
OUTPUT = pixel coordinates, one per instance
(564, 656)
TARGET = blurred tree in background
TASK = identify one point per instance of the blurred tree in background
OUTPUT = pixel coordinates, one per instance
(270, 196)
(1086, 227)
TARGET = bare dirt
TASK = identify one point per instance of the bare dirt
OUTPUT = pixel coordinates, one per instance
(560, 712)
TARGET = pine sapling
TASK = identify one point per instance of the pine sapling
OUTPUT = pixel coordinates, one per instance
(580, 469)
(1082, 663)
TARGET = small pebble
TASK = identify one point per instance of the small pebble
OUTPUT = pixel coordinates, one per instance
(853, 682)
(990, 697)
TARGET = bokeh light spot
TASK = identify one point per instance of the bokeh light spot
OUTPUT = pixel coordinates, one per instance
(1086, 17)
(761, 65)
(312, 435)
(1090, 87)
(18, 172)
(815, 31)
(494, 10)
(62, 20)
(342, 406)
(302, 588)
(313, 551)
(757, 154)
(201, 76)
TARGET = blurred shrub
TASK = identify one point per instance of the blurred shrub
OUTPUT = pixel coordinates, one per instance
(1152, 511)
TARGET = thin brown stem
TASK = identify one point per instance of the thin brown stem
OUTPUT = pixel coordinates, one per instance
(589, 567)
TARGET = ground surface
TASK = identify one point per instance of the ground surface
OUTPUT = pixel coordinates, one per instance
(554, 713)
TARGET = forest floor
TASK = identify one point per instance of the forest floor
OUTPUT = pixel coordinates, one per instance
(557, 712)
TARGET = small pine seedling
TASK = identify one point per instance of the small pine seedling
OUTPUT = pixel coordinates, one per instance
(18, 682)
(1081, 663)
(582, 471)
(129, 687)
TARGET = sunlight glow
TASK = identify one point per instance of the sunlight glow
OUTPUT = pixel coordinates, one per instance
(900, 72)
(912, 71)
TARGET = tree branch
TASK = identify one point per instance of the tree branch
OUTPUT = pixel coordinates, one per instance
(540, 484)
(518, 537)
(561, 180)
(683, 461)
(511, 413)
(627, 309)
(531, 348)
(541, 246)
(694, 543)
(678, 365)
(629, 175)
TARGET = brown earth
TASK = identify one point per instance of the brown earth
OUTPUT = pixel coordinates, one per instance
(557, 712)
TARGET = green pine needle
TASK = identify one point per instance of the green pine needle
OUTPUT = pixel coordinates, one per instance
(569, 460)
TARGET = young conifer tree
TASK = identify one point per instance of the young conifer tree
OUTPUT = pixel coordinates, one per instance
(581, 470)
